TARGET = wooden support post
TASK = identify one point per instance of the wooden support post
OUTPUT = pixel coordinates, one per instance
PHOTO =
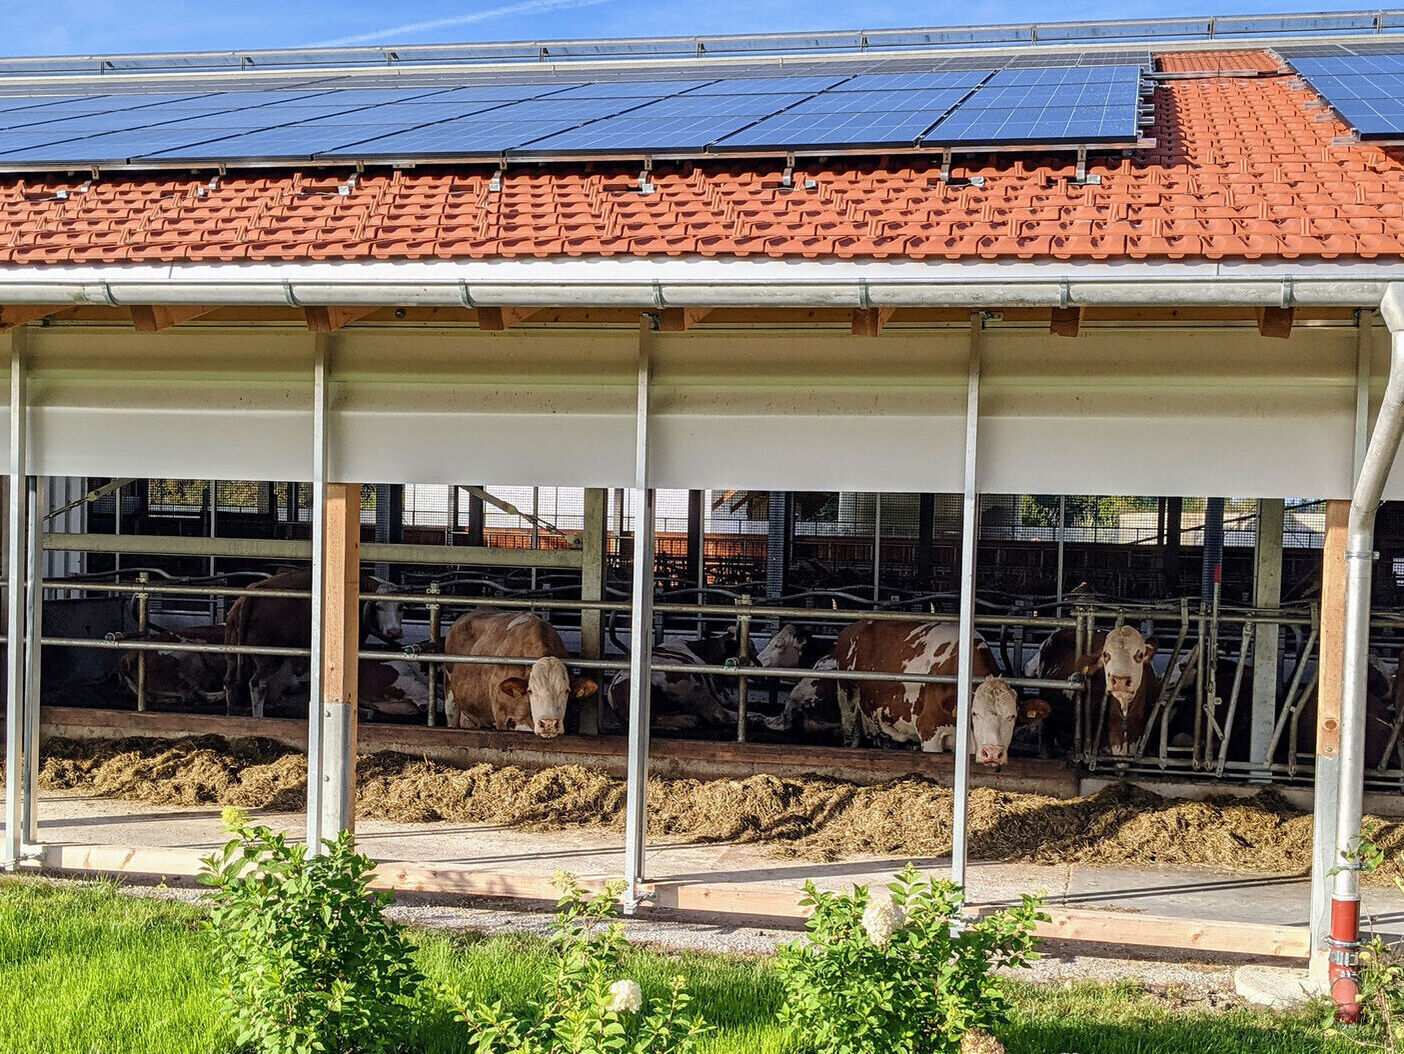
(593, 565)
(869, 321)
(680, 319)
(341, 637)
(152, 318)
(1330, 682)
(330, 319)
(497, 319)
(1065, 321)
(1276, 321)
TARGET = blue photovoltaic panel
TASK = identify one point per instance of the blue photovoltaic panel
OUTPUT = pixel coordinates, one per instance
(449, 139)
(834, 130)
(617, 135)
(1047, 106)
(1367, 90)
(857, 109)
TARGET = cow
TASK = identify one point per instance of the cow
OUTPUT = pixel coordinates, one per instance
(526, 697)
(925, 713)
(286, 622)
(793, 648)
(1121, 673)
(812, 707)
(178, 678)
(686, 702)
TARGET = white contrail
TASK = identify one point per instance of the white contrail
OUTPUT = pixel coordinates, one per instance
(525, 7)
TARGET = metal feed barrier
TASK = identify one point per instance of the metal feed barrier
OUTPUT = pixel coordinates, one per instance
(1203, 635)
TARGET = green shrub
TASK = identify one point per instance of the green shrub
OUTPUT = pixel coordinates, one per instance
(589, 1008)
(308, 962)
(899, 975)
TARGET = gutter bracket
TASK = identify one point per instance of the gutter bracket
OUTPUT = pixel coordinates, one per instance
(864, 301)
(464, 294)
(1287, 296)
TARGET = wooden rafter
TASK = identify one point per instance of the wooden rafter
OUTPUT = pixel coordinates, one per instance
(1276, 321)
(680, 319)
(12, 315)
(152, 318)
(500, 318)
(868, 321)
(1065, 321)
(330, 319)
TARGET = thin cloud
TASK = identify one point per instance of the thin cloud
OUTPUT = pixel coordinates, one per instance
(525, 7)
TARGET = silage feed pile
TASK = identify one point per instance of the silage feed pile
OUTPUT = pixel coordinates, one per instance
(812, 818)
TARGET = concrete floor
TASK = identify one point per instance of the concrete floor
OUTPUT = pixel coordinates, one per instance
(590, 853)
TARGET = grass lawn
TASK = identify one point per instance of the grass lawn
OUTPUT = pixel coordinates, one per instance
(87, 970)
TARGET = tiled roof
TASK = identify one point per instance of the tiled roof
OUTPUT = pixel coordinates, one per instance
(1242, 169)
(1216, 61)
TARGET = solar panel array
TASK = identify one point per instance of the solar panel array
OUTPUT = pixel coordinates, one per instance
(1365, 85)
(861, 107)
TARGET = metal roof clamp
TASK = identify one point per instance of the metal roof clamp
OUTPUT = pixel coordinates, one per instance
(1080, 177)
(495, 183)
(972, 181)
(346, 188)
(645, 186)
(209, 188)
(787, 178)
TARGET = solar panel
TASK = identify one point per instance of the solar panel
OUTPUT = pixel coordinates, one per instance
(868, 103)
(797, 131)
(1366, 88)
(1047, 106)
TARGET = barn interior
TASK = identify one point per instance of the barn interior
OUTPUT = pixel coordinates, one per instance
(676, 445)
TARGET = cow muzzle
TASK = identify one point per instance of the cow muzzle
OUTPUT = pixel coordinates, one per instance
(394, 633)
(548, 727)
(992, 756)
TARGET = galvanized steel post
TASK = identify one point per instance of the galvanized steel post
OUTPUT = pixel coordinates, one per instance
(969, 541)
(641, 636)
(316, 775)
(17, 745)
(1359, 566)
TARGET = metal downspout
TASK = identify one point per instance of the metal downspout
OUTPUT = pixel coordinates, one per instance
(1344, 941)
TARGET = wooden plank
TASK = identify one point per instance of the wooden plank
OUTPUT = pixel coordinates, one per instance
(1276, 321)
(1076, 925)
(1065, 321)
(330, 319)
(293, 549)
(496, 319)
(869, 321)
(152, 318)
(679, 319)
(1331, 660)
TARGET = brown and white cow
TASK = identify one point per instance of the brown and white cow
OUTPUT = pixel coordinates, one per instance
(1120, 665)
(526, 697)
(925, 713)
(286, 622)
(177, 678)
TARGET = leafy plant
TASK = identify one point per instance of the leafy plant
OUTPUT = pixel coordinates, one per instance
(589, 1009)
(902, 974)
(308, 961)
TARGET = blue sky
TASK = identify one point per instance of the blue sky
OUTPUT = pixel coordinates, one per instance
(105, 26)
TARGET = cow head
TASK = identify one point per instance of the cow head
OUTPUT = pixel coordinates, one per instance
(993, 711)
(785, 648)
(549, 688)
(1123, 662)
(383, 618)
